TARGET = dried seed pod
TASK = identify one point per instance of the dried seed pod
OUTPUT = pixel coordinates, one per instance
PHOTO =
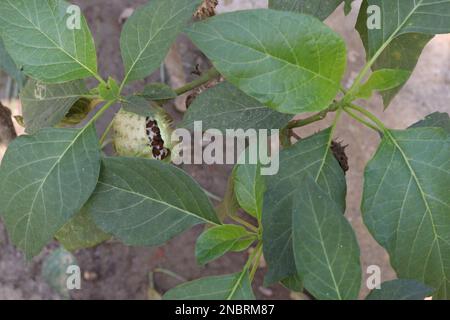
(339, 153)
(207, 9)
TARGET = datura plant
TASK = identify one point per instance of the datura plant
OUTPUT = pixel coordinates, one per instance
(268, 66)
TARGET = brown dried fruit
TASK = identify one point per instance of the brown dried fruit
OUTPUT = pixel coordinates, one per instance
(339, 153)
(207, 9)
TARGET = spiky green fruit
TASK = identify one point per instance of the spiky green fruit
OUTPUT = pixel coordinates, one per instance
(139, 136)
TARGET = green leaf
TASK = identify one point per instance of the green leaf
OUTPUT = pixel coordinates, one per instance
(293, 283)
(45, 105)
(226, 107)
(249, 186)
(325, 248)
(436, 120)
(406, 204)
(382, 80)
(400, 289)
(290, 62)
(8, 65)
(217, 241)
(37, 36)
(147, 202)
(139, 105)
(110, 90)
(44, 180)
(407, 27)
(148, 34)
(235, 286)
(54, 270)
(81, 232)
(158, 91)
(318, 8)
(229, 205)
(308, 156)
(401, 17)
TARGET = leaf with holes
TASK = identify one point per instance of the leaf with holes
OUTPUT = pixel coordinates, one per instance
(147, 202)
(37, 36)
(290, 62)
(406, 204)
(45, 105)
(148, 34)
(44, 180)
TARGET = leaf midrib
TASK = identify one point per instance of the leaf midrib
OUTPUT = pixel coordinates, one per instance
(44, 180)
(423, 197)
(158, 201)
(158, 31)
(52, 41)
(267, 54)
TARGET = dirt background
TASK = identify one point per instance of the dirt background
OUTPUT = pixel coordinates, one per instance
(115, 271)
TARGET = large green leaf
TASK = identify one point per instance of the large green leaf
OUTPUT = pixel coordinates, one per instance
(406, 204)
(400, 289)
(226, 107)
(149, 33)
(289, 62)
(37, 37)
(8, 65)
(401, 17)
(45, 105)
(308, 156)
(147, 202)
(229, 287)
(81, 232)
(44, 180)
(318, 8)
(325, 248)
(407, 28)
(216, 241)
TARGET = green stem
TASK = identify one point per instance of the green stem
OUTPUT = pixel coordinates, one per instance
(330, 139)
(374, 58)
(359, 119)
(170, 274)
(212, 196)
(256, 262)
(244, 271)
(105, 133)
(244, 223)
(314, 118)
(368, 115)
(100, 112)
(206, 77)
